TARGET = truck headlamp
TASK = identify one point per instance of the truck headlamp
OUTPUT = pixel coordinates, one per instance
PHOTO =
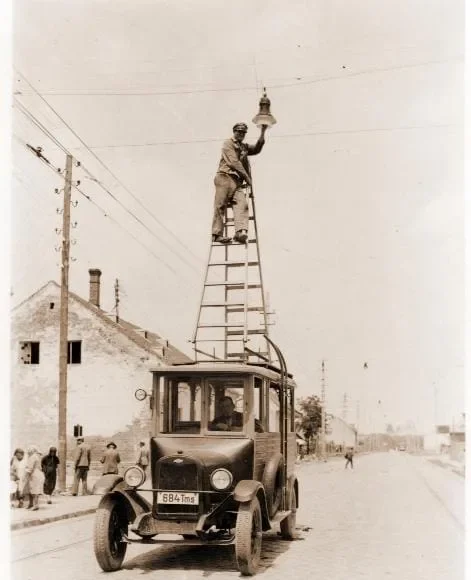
(221, 479)
(134, 476)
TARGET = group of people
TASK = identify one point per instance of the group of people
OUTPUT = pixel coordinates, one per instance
(32, 476)
(110, 461)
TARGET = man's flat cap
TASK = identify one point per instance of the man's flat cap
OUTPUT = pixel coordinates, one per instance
(240, 127)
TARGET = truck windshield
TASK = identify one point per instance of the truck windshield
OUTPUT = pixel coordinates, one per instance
(226, 404)
(180, 407)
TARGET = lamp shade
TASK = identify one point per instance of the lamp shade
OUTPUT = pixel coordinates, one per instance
(264, 116)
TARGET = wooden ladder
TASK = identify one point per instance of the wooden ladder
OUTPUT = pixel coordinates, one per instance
(232, 317)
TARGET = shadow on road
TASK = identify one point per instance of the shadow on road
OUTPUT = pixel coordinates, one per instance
(207, 559)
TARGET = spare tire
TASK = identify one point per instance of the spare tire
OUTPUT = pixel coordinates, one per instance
(272, 480)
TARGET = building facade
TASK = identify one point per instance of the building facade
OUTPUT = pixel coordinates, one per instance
(107, 361)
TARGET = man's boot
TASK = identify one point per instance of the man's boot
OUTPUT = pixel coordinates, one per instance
(218, 239)
(241, 236)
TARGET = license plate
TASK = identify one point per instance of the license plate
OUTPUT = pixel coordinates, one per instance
(177, 497)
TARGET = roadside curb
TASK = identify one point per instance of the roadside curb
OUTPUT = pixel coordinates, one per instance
(47, 520)
(460, 471)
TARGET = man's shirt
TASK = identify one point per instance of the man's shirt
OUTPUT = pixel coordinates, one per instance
(234, 158)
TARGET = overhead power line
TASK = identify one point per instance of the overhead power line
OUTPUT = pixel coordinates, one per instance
(106, 214)
(300, 81)
(36, 122)
(109, 170)
(285, 136)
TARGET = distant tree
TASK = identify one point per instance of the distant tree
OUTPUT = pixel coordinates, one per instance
(311, 418)
(389, 428)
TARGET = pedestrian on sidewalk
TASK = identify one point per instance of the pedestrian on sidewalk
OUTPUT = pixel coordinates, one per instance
(17, 475)
(111, 459)
(82, 460)
(34, 478)
(142, 460)
(349, 457)
(232, 178)
(49, 465)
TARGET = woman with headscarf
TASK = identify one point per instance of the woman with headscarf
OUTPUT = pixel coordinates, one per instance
(49, 465)
(34, 477)
(17, 474)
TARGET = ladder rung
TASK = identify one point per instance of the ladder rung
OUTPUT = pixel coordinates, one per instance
(233, 263)
(232, 285)
(230, 220)
(221, 304)
(233, 307)
(222, 325)
(249, 309)
(241, 354)
(216, 244)
(218, 340)
(241, 332)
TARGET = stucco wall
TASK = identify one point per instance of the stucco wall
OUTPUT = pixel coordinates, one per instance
(341, 433)
(100, 389)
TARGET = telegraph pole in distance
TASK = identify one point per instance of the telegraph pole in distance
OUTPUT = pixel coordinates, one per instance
(116, 299)
(63, 328)
(322, 445)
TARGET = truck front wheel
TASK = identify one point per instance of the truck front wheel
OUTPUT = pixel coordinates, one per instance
(248, 540)
(110, 525)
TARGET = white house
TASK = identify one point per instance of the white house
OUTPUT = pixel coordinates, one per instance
(108, 361)
(340, 433)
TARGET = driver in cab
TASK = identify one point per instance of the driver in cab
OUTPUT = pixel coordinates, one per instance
(230, 419)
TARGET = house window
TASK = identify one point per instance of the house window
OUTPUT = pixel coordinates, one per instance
(29, 353)
(74, 352)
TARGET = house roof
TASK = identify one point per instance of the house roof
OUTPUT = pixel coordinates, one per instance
(149, 341)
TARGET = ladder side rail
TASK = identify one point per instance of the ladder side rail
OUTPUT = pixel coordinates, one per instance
(226, 291)
(246, 296)
(195, 334)
(257, 247)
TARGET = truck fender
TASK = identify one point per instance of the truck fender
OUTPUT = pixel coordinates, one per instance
(106, 483)
(134, 503)
(246, 490)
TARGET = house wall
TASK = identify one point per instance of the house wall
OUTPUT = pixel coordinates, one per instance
(100, 389)
(341, 433)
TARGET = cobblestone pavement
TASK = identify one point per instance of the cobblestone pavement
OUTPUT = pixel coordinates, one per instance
(393, 517)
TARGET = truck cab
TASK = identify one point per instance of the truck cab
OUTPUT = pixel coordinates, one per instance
(222, 458)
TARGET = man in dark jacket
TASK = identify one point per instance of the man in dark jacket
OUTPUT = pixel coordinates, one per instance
(82, 460)
(232, 176)
(349, 458)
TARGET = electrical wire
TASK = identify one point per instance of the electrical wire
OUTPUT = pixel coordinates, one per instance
(285, 136)
(106, 214)
(272, 86)
(109, 170)
(30, 116)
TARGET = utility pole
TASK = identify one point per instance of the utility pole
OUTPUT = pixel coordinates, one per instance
(116, 299)
(358, 422)
(345, 407)
(64, 323)
(322, 438)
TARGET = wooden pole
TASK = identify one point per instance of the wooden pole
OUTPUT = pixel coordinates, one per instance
(63, 329)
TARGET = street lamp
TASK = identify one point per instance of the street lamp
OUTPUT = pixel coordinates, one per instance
(264, 116)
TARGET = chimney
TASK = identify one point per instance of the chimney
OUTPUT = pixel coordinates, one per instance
(94, 286)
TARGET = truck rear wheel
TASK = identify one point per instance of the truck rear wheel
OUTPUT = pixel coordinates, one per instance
(288, 525)
(110, 525)
(248, 539)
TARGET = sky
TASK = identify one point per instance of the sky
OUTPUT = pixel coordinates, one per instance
(359, 189)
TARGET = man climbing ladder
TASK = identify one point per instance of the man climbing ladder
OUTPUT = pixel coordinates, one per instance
(231, 179)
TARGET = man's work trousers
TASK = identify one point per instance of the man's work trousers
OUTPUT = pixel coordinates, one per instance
(81, 473)
(229, 192)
